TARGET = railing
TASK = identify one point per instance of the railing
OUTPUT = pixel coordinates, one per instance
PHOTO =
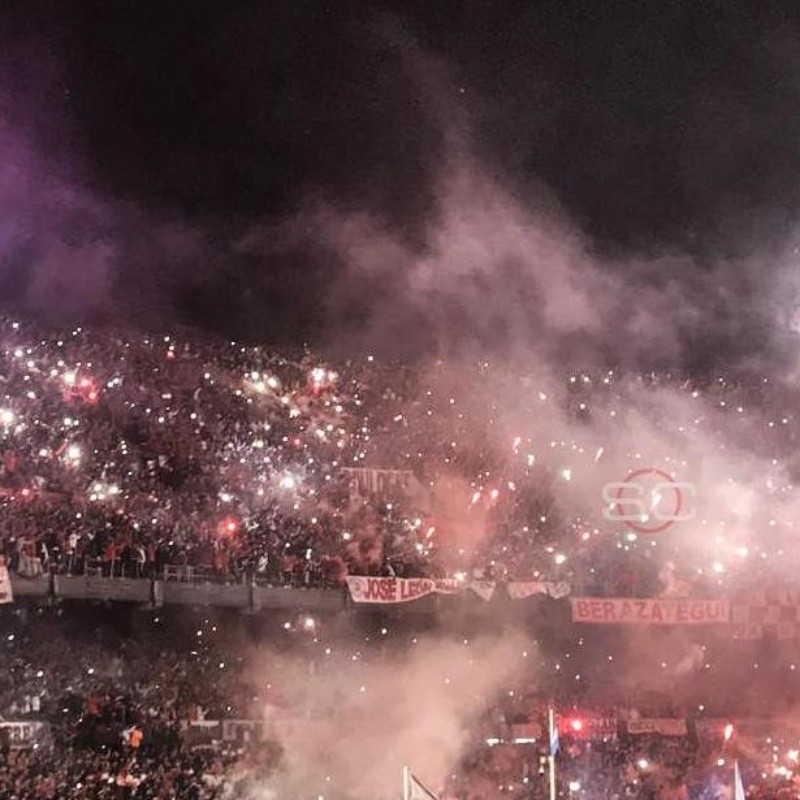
(308, 578)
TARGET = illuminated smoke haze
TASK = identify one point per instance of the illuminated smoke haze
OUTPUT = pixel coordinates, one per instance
(358, 722)
(410, 199)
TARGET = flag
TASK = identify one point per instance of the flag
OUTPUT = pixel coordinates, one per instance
(554, 743)
(738, 786)
(417, 790)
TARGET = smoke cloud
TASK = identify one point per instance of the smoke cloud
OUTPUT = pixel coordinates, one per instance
(356, 722)
(447, 231)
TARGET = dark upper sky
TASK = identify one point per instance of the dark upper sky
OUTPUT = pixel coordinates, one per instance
(664, 126)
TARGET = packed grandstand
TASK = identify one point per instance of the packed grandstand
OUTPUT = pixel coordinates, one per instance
(165, 458)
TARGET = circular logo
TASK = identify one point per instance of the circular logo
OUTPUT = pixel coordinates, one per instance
(649, 500)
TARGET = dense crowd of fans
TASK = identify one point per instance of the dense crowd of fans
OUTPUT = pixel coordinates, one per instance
(156, 456)
(124, 454)
(123, 699)
(112, 709)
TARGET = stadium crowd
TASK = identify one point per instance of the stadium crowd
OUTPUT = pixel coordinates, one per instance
(124, 700)
(124, 454)
(160, 456)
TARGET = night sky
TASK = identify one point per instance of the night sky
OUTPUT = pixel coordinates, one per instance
(181, 133)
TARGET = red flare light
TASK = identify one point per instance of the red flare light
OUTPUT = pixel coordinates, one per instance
(229, 526)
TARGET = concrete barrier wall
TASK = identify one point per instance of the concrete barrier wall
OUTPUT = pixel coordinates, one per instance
(236, 595)
(30, 587)
(132, 590)
(311, 600)
(126, 590)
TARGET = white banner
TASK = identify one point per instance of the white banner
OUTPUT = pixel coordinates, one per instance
(6, 595)
(28, 567)
(242, 730)
(484, 589)
(650, 611)
(588, 725)
(364, 589)
(521, 590)
(712, 727)
(661, 725)
(381, 483)
(25, 734)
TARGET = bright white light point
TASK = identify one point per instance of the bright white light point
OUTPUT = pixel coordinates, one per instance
(574, 786)
(6, 416)
(560, 558)
(742, 551)
(642, 763)
(288, 482)
(728, 732)
(631, 537)
(717, 567)
(566, 474)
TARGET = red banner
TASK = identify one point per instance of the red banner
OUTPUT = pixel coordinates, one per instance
(658, 725)
(650, 611)
(525, 732)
